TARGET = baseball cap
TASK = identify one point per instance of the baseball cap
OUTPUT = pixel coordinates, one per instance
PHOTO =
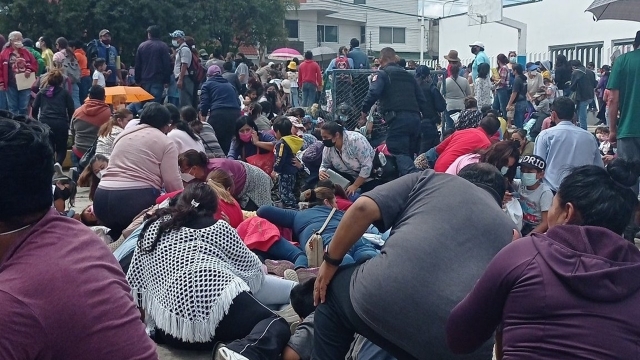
(477, 43)
(213, 70)
(532, 67)
(271, 63)
(104, 32)
(533, 161)
(286, 86)
(178, 34)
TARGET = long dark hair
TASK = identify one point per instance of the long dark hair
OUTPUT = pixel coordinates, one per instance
(178, 123)
(519, 71)
(242, 121)
(63, 43)
(197, 200)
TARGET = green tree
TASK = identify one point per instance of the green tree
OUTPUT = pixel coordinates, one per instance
(226, 24)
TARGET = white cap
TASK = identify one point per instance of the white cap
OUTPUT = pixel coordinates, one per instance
(286, 86)
(271, 63)
(477, 43)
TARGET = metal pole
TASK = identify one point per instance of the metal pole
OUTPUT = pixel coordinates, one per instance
(421, 32)
(445, 4)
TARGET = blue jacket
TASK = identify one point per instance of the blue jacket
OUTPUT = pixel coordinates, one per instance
(153, 63)
(237, 146)
(360, 59)
(109, 54)
(218, 93)
(286, 149)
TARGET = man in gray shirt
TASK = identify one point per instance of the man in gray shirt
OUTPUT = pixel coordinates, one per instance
(181, 68)
(445, 231)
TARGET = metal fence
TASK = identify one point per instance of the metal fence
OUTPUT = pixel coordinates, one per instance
(347, 90)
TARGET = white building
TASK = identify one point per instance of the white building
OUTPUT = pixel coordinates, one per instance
(554, 26)
(376, 23)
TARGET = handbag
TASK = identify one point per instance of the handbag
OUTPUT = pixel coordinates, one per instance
(315, 246)
(88, 155)
(264, 161)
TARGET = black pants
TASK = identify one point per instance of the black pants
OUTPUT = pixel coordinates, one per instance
(249, 328)
(336, 322)
(223, 122)
(58, 137)
(403, 140)
(117, 208)
(429, 136)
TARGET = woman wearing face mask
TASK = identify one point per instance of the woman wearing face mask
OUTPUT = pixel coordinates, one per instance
(526, 146)
(91, 175)
(251, 185)
(534, 80)
(44, 44)
(504, 155)
(143, 161)
(110, 130)
(249, 141)
(17, 65)
(554, 289)
(349, 154)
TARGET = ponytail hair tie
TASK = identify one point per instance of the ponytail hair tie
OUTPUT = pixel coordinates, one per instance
(195, 204)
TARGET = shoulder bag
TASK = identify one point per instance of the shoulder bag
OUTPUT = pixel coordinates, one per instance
(315, 246)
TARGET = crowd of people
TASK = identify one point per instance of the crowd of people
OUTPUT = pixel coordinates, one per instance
(234, 214)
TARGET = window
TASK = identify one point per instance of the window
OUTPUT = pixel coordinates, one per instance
(360, 2)
(392, 35)
(327, 33)
(291, 26)
(363, 36)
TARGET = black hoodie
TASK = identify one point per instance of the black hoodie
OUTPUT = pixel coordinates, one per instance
(53, 103)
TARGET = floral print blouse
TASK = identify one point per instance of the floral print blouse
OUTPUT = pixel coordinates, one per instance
(356, 157)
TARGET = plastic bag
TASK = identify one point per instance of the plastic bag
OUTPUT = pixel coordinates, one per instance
(514, 210)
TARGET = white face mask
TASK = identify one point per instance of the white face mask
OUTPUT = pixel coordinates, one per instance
(174, 43)
(513, 60)
(37, 44)
(101, 173)
(187, 177)
(533, 73)
(504, 170)
(528, 179)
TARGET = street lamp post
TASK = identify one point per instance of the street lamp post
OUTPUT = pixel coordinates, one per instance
(421, 32)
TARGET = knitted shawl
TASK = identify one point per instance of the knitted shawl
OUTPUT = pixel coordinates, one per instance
(187, 284)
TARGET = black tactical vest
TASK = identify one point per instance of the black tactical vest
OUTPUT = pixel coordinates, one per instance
(400, 93)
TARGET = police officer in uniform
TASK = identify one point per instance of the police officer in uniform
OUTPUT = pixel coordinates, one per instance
(401, 102)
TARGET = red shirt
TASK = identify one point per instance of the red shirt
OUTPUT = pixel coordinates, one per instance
(233, 212)
(309, 72)
(343, 204)
(462, 142)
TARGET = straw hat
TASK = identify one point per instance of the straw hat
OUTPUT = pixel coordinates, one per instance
(452, 56)
(292, 66)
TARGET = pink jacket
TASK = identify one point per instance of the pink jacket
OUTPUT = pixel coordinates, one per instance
(30, 64)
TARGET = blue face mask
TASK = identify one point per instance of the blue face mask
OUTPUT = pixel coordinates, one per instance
(504, 170)
(529, 179)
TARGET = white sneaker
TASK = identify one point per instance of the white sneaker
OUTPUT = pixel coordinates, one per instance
(226, 354)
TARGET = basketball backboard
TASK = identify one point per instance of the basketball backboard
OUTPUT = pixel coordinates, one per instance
(484, 11)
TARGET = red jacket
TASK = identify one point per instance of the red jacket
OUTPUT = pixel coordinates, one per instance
(462, 142)
(30, 63)
(309, 72)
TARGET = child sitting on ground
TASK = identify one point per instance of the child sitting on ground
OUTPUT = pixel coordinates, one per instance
(250, 97)
(540, 102)
(286, 149)
(469, 117)
(602, 134)
(535, 197)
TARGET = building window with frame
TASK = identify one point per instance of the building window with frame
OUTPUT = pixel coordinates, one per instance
(360, 2)
(392, 35)
(291, 26)
(328, 33)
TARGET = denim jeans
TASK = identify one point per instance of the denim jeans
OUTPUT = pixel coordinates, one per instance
(284, 250)
(188, 92)
(295, 99)
(361, 251)
(85, 85)
(155, 89)
(583, 107)
(308, 94)
(520, 113)
(17, 101)
(3, 100)
(403, 140)
(502, 98)
(75, 94)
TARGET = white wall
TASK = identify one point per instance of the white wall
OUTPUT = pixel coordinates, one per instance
(307, 27)
(550, 23)
(347, 30)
